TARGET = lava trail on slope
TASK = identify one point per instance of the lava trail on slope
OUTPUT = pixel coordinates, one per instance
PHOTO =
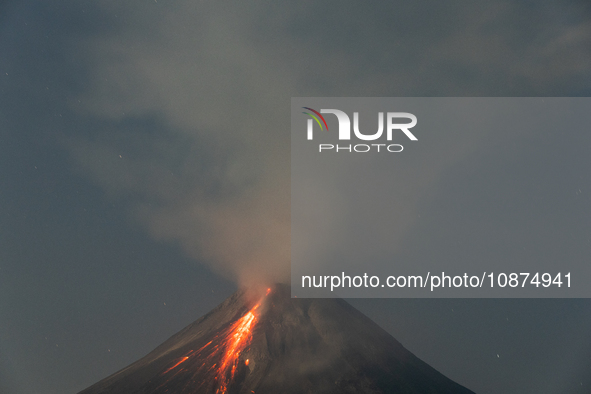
(278, 344)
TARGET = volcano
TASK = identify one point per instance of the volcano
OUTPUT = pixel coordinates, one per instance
(277, 344)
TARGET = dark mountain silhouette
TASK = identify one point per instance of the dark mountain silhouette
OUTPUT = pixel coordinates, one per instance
(278, 344)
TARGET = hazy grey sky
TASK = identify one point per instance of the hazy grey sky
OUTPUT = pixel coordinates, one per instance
(144, 164)
(491, 184)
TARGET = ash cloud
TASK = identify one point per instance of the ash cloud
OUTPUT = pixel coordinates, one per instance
(192, 138)
(189, 103)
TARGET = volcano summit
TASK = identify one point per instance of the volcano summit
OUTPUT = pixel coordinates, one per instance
(277, 344)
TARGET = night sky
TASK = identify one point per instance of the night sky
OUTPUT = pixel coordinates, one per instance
(144, 172)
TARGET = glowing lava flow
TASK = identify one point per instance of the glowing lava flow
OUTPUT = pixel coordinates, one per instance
(239, 338)
(226, 347)
(182, 360)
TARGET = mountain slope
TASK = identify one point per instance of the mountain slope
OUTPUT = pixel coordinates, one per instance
(276, 344)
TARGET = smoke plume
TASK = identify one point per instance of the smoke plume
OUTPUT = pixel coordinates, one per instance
(189, 105)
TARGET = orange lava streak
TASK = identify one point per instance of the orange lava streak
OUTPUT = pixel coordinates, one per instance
(238, 339)
(177, 364)
(226, 348)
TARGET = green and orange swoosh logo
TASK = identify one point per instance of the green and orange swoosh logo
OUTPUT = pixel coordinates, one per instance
(316, 118)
